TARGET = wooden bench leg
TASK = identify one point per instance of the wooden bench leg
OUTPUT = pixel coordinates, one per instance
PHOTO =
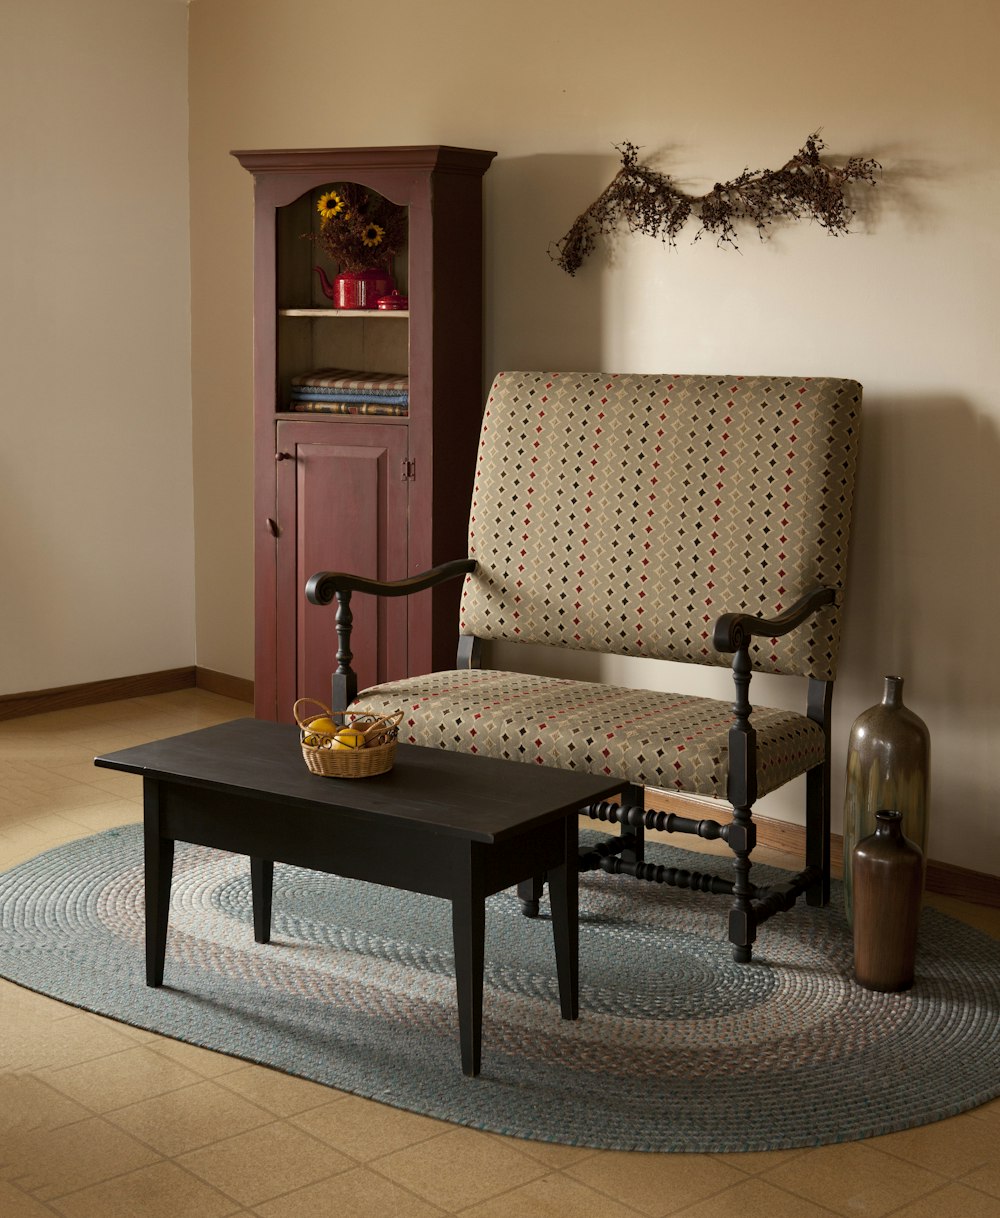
(529, 893)
(635, 852)
(818, 833)
(742, 922)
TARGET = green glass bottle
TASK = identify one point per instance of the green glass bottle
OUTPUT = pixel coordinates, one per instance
(888, 766)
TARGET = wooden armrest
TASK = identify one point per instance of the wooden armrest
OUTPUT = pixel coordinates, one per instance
(734, 630)
(324, 586)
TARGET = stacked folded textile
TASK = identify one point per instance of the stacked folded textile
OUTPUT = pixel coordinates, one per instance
(343, 391)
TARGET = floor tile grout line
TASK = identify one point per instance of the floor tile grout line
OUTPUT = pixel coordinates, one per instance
(250, 1205)
(355, 1165)
(134, 1171)
(562, 1174)
(941, 1182)
(903, 1205)
(103, 1180)
(697, 1204)
(901, 1158)
(975, 1187)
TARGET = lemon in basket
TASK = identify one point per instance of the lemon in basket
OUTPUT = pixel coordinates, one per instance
(349, 738)
(323, 724)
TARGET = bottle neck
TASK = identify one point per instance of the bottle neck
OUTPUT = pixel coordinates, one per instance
(892, 694)
(888, 823)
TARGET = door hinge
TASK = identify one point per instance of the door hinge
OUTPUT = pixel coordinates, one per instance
(407, 469)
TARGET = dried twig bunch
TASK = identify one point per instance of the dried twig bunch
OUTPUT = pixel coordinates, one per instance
(649, 202)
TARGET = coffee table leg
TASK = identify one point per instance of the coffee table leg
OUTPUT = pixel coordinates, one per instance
(159, 866)
(261, 888)
(564, 900)
(468, 920)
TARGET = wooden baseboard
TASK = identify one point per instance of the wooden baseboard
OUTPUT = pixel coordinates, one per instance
(36, 702)
(976, 886)
(66, 697)
(222, 683)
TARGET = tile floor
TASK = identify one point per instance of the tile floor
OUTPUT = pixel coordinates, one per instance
(100, 1119)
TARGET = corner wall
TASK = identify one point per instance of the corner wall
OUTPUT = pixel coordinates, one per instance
(907, 305)
(95, 396)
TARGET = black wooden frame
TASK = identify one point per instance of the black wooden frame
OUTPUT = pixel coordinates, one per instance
(623, 854)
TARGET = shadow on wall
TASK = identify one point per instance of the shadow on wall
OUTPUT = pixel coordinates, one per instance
(538, 317)
(923, 577)
(922, 584)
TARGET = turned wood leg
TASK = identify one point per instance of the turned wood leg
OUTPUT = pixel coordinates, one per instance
(742, 791)
(635, 852)
(529, 893)
(742, 922)
(818, 833)
(159, 866)
(261, 888)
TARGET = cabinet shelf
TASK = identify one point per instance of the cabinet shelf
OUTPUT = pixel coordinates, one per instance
(319, 416)
(342, 313)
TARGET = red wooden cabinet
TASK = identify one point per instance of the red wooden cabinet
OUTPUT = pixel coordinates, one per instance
(374, 495)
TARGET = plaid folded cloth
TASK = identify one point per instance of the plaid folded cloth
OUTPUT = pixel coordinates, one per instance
(344, 378)
(381, 406)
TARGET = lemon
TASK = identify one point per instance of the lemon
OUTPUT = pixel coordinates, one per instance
(348, 738)
(323, 724)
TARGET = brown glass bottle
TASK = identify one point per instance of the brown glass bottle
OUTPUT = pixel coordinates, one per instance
(888, 882)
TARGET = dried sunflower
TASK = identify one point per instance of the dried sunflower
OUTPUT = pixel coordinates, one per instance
(330, 205)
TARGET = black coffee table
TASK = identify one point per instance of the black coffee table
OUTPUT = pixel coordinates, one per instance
(450, 825)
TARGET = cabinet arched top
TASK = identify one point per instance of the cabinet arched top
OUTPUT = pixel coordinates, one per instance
(397, 173)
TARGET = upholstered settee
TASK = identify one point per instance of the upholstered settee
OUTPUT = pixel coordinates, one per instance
(700, 519)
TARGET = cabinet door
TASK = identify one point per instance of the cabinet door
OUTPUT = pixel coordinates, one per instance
(342, 506)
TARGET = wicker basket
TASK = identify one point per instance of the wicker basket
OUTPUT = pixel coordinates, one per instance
(324, 756)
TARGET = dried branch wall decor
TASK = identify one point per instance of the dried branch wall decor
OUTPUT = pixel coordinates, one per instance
(648, 202)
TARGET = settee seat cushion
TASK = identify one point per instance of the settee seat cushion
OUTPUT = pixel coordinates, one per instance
(672, 741)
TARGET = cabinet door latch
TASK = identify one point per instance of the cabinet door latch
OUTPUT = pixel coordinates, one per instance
(407, 469)
(272, 526)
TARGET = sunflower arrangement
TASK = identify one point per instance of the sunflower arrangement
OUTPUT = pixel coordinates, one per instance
(358, 228)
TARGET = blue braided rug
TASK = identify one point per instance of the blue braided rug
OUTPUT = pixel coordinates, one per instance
(677, 1048)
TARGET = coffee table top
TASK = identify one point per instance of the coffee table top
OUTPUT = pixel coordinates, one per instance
(464, 794)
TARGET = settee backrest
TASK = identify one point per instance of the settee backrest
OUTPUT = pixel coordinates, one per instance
(625, 513)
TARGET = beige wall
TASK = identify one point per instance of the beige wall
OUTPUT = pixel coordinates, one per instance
(908, 305)
(95, 397)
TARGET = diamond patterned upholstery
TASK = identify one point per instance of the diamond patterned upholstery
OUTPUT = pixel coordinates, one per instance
(623, 514)
(652, 739)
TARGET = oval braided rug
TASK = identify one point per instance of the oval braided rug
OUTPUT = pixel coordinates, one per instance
(677, 1048)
